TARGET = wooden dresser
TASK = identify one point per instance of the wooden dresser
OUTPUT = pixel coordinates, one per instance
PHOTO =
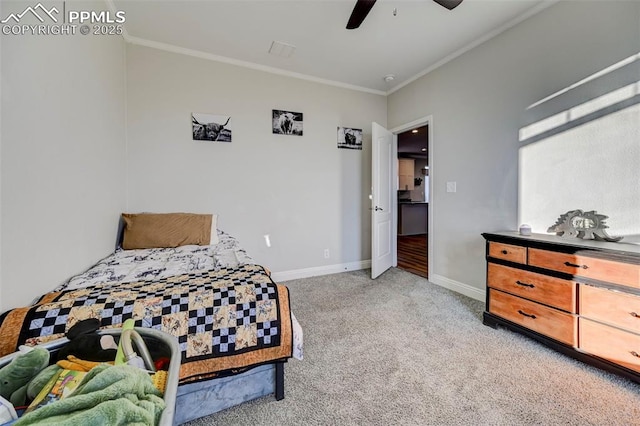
(580, 297)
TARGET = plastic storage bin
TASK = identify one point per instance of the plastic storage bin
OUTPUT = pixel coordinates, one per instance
(168, 345)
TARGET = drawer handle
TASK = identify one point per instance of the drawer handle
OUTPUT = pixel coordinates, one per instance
(576, 266)
(526, 314)
(633, 314)
(636, 354)
(504, 252)
(525, 284)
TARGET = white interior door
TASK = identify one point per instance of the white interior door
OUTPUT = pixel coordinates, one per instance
(381, 201)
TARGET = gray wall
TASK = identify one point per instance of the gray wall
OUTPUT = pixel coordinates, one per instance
(66, 168)
(479, 103)
(63, 156)
(304, 192)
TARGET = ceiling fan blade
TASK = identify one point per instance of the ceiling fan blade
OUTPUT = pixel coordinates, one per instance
(449, 4)
(360, 11)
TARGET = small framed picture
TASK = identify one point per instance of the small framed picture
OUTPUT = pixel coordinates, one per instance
(349, 138)
(286, 122)
(208, 127)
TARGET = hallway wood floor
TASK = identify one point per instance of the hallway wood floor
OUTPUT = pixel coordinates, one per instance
(412, 254)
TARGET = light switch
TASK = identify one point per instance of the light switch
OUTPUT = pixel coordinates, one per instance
(451, 187)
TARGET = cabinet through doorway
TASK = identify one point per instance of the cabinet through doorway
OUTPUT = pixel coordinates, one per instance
(413, 201)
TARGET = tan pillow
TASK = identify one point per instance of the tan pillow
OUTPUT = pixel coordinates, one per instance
(154, 230)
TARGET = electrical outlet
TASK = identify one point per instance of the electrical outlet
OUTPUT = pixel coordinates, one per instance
(326, 254)
(451, 187)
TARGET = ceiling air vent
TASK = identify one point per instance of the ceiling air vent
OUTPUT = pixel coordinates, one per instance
(281, 49)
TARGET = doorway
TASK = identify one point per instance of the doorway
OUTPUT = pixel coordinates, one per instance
(414, 201)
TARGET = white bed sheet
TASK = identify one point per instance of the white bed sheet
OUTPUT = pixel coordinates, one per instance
(151, 264)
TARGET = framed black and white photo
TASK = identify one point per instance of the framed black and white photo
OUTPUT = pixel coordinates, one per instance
(208, 127)
(287, 122)
(349, 138)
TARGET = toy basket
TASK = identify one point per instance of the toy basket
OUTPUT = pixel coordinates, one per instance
(169, 348)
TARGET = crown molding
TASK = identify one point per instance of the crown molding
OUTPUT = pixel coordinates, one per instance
(245, 64)
(512, 23)
(278, 71)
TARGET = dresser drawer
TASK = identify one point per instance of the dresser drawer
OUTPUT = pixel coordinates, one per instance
(542, 319)
(610, 343)
(590, 267)
(551, 291)
(508, 252)
(612, 307)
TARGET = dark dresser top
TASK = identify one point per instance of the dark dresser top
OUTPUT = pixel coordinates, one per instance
(621, 247)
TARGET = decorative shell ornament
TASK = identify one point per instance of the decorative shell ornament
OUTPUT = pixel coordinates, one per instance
(586, 225)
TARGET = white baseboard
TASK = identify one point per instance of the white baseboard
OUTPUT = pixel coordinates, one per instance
(319, 270)
(445, 282)
(458, 287)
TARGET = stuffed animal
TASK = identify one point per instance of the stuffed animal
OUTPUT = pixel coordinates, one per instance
(23, 378)
(16, 376)
(40, 381)
(86, 344)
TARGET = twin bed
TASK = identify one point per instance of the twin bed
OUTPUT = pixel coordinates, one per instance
(233, 324)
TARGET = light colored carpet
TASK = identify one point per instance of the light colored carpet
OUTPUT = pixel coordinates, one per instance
(400, 350)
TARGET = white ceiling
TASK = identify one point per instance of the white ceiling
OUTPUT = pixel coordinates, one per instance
(420, 37)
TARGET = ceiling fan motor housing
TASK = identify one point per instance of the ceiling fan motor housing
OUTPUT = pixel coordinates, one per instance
(363, 7)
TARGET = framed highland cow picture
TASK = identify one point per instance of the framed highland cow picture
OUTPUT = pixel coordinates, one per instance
(349, 138)
(286, 122)
(208, 127)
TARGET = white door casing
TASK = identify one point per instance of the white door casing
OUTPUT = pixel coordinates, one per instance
(423, 121)
(382, 232)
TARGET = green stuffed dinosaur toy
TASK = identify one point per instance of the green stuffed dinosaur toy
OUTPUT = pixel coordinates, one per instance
(16, 376)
